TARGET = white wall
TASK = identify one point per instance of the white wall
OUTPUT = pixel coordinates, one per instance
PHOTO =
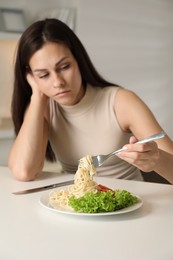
(33, 7)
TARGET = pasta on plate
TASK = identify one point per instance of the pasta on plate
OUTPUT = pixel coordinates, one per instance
(86, 196)
(83, 183)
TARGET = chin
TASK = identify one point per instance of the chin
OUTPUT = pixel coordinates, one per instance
(64, 102)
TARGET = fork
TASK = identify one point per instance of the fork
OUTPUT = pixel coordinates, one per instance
(98, 160)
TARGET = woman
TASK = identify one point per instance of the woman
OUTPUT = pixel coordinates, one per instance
(63, 109)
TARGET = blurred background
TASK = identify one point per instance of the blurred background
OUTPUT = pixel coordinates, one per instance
(129, 41)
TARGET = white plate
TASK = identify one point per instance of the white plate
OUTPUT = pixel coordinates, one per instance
(44, 201)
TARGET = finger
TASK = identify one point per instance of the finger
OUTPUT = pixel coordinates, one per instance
(30, 79)
(141, 148)
(139, 151)
(133, 140)
(135, 156)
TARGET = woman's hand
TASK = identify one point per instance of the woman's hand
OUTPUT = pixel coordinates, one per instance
(143, 156)
(35, 87)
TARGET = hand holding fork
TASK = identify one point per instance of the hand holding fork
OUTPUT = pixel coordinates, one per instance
(98, 160)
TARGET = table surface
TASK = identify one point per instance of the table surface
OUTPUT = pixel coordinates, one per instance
(30, 231)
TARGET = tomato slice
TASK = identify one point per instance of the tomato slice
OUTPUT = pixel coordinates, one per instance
(103, 188)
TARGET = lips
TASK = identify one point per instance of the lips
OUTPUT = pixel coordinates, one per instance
(62, 93)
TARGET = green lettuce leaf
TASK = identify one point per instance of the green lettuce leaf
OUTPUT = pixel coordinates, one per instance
(102, 201)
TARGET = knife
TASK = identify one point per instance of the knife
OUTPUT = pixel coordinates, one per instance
(51, 186)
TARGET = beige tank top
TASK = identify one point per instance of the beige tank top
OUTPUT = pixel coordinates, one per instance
(90, 128)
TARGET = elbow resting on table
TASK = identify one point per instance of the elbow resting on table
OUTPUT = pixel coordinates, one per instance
(23, 174)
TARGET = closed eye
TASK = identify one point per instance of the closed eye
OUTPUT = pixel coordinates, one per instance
(43, 75)
(64, 67)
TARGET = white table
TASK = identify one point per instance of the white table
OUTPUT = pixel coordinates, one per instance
(29, 231)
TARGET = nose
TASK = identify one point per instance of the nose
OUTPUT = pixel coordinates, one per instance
(58, 81)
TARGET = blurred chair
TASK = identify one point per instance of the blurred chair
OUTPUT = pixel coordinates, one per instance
(154, 177)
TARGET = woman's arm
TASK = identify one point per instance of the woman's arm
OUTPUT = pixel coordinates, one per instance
(26, 158)
(134, 116)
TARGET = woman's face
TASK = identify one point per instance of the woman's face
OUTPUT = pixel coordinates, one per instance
(56, 74)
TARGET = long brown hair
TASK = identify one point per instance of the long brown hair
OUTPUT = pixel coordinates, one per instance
(33, 39)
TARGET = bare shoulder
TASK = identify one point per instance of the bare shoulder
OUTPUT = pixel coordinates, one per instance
(124, 94)
(132, 112)
(126, 102)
